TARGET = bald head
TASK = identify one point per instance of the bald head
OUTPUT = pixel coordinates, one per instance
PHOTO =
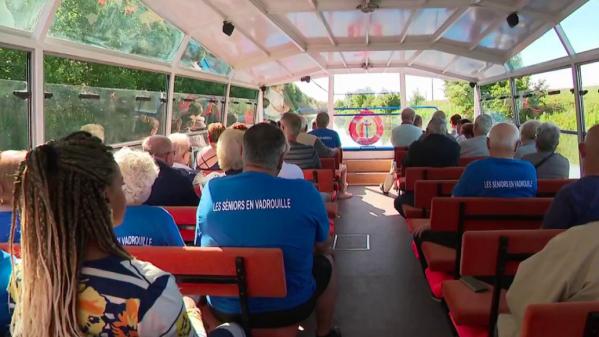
(503, 140)
(408, 115)
(161, 148)
(589, 151)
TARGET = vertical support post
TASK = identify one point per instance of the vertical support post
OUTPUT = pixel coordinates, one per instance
(477, 104)
(36, 80)
(260, 106)
(579, 104)
(226, 109)
(403, 94)
(170, 97)
(515, 109)
(331, 101)
(243, 294)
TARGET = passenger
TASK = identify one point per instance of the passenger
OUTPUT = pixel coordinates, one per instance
(500, 175)
(143, 225)
(74, 278)
(576, 203)
(304, 156)
(311, 140)
(206, 159)
(9, 165)
(418, 121)
(172, 187)
(460, 134)
(455, 124)
(182, 148)
(528, 136)
(405, 134)
(229, 150)
(329, 137)
(477, 146)
(549, 164)
(564, 271)
(257, 209)
(467, 131)
(440, 114)
(239, 126)
(95, 129)
(435, 149)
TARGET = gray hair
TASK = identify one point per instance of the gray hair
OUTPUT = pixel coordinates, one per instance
(292, 122)
(547, 137)
(228, 150)
(482, 125)
(437, 126)
(263, 146)
(408, 115)
(528, 130)
(139, 173)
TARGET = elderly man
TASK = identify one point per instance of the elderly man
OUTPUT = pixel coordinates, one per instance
(477, 146)
(405, 134)
(182, 148)
(258, 209)
(329, 137)
(528, 135)
(172, 187)
(435, 149)
(576, 203)
(549, 164)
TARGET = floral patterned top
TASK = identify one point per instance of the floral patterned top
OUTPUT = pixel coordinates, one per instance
(130, 298)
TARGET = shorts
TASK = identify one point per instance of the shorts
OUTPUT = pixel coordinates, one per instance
(321, 270)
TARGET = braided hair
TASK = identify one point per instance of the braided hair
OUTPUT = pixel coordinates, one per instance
(60, 198)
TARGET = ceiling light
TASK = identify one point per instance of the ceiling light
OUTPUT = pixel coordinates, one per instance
(228, 28)
(513, 19)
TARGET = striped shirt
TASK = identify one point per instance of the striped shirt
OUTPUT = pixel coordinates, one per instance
(304, 156)
(120, 297)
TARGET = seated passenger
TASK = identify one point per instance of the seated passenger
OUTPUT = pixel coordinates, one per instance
(564, 271)
(172, 187)
(477, 146)
(304, 156)
(182, 148)
(9, 165)
(308, 139)
(461, 136)
(206, 159)
(435, 149)
(467, 132)
(455, 125)
(257, 209)
(74, 278)
(528, 135)
(576, 203)
(418, 122)
(95, 129)
(500, 175)
(549, 164)
(238, 126)
(405, 134)
(229, 150)
(143, 225)
(328, 137)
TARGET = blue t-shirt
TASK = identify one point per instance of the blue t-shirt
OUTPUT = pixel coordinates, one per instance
(329, 137)
(5, 222)
(498, 178)
(575, 204)
(148, 226)
(258, 210)
(5, 271)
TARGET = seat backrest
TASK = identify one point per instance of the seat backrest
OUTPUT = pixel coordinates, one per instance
(572, 319)
(548, 188)
(148, 226)
(185, 218)
(426, 190)
(466, 161)
(328, 163)
(324, 179)
(452, 214)
(414, 174)
(399, 154)
(201, 271)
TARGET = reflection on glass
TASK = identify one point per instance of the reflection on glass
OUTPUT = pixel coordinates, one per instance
(241, 111)
(193, 112)
(126, 26)
(547, 47)
(282, 98)
(590, 85)
(14, 101)
(568, 147)
(579, 27)
(199, 58)
(20, 14)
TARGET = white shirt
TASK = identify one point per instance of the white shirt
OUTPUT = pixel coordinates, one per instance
(405, 134)
(474, 147)
(291, 171)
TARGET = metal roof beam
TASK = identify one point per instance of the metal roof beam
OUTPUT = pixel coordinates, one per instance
(406, 28)
(453, 60)
(496, 24)
(345, 5)
(249, 62)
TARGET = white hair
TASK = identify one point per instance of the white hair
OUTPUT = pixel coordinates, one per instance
(547, 137)
(181, 145)
(483, 124)
(139, 173)
(528, 130)
(228, 150)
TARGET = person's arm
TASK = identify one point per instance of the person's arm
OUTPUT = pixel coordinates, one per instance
(323, 150)
(560, 214)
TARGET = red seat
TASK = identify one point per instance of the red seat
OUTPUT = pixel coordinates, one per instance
(324, 179)
(548, 188)
(185, 218)
(468, 307)
(439, 257)
(572, 319)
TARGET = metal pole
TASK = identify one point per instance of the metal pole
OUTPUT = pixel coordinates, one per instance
(331, 100)
(170, 97)
(513, 94)
(260, 107)
(402, 90)
(226, 113)
(37, 97)
(477, 104)
(578, 103)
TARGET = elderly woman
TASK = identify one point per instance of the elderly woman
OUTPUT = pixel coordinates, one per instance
(228, 151)
(143, 225)
(549, 164)
(9, 165)
(182, 148)
(528, 135)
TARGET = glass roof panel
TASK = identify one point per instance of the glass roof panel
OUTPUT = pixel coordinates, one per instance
(547, 47)
(308, 24)
(125, 26)
(400, 56)
(495, 70)
(298, 63)
(332, 58)
(379, 57)
(199, 58)
(581, 25)
(428, 20)
(355, 57)
(466, 65)
(435, 59)
(20, 14)
(505, 38)
(388, 22)
(547, 5)
(471, 24)
(347, 24)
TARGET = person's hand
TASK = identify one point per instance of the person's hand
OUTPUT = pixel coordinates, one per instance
(420, 229)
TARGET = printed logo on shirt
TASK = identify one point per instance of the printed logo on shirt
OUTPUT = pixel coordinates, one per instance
(500, 184)
(249, 205)
(135, 240)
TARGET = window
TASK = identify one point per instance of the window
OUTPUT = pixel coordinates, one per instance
(129, 104)
(20, 14)
(590, 97)
(546, 48)
(580, 27)
(242, 106)
(127, 26)
(196, 104)
(199, 58)
(496, 100)
(14, 100)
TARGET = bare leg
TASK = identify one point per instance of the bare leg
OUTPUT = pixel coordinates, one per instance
(343, 193)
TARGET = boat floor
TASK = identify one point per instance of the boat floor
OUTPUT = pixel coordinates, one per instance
(382, 290)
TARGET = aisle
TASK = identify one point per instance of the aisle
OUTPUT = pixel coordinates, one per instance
(382, 290)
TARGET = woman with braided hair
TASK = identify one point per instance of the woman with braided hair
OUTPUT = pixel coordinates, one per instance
(74, 279)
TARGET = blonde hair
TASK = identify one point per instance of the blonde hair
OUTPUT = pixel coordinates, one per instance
(95, 129)
(181, 145)
(9, 165)
(228, 150)
(60, 196)
(139, 174)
